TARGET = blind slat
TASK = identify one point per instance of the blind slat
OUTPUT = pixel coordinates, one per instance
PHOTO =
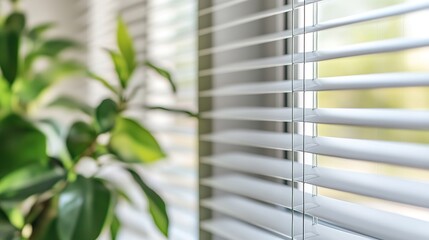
(256, 16)
(344, 214)
(235, 230)
(385, 118)
(384, 46)
(386, 80)
(395, 10)
(405, 154)
(376, 186)
(272, 219)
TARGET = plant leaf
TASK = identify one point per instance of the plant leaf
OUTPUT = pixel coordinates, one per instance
(15, 22)
(102, 81)
(174, 110)
(114, 228)
(84, 206)
(27, 181)
(16, 135)
(72, 104)
(126, 45)
(105, 115)
(80, 138)
(10, 38)
(156, 205)
(131, 142)
(5, 97)
(37, 31)
(53, 47)
(120, 67)
(164, 73)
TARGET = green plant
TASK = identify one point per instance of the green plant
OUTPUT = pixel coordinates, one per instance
(42, 194)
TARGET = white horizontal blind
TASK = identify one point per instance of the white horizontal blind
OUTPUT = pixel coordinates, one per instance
(355, 77)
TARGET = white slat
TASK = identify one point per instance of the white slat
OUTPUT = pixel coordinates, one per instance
(385, 80)
(383, 46)
(343, 214)
(395, 10)
(398, 153)
(235, 230)
(273, 219)
(385, 118)
(377, 186)
(254, 17)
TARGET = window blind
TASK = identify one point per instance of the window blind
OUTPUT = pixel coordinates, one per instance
(317, 126)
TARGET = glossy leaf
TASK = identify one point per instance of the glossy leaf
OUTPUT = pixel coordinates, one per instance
(10, 38)
(80, 138)
(105, 115)
(114, 228)
(156, 205)
(131, 142)
(27, 181)
(120, 67)
(164, 73)
(173, 110)
(72, 104)
(15, 22)
(103, 81)
(83, 209)
(37, 31)
(21, 144)
(53, 47)
(126, 45)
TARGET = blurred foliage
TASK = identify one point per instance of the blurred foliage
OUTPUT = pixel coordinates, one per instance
(60, 202)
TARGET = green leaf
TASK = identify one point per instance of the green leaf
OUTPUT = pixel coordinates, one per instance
(37, 31)
(174, 110)
(105, 115)
(102, 81)
(15, 22)
(29, 90)
(126, 45)
(5, 97)
(164, 73)
(53, 47)
(79, 139)
(21, 144)
(114, 228)
(10, 38)
(84, 206)
(131, 142)
(72, 104)
(27, 181)
(156, 205)
(120, 67)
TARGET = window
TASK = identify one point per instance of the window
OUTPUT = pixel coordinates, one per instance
(313, 120)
